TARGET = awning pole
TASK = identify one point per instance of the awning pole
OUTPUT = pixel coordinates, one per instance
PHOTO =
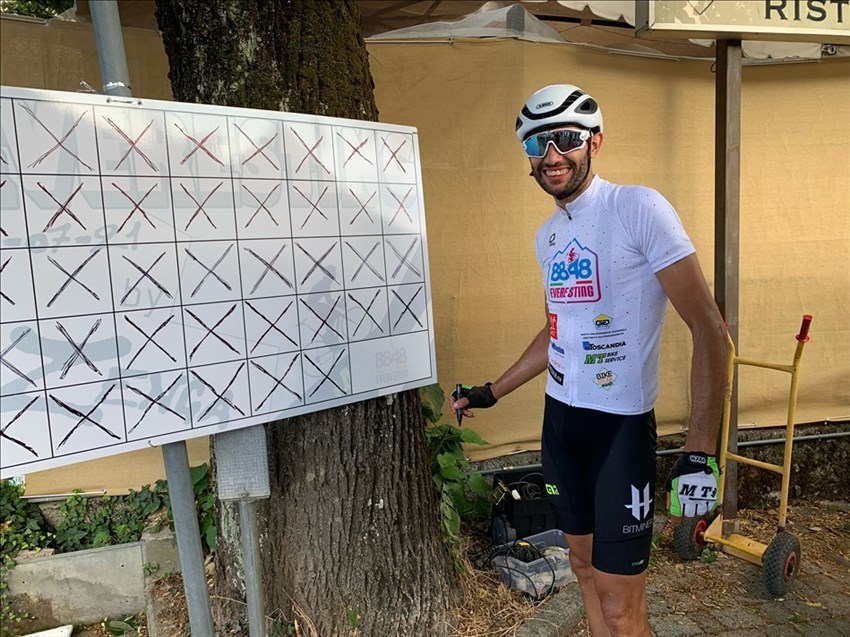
(727, 199)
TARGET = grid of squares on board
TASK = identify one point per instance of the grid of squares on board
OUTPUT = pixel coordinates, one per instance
(169, 270)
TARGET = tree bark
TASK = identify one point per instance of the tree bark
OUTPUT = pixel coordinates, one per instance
(350, 537)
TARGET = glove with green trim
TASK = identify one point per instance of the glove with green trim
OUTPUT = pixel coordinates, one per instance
(692, 485)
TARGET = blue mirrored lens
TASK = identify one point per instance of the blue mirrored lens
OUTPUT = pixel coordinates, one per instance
(565, 141)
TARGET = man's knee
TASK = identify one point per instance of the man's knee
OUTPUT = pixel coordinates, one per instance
(580, 560)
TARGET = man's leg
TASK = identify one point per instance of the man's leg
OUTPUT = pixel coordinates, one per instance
(581, 549)
(622, 599)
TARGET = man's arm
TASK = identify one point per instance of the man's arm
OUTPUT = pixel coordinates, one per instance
(685, 286)
(534, 360)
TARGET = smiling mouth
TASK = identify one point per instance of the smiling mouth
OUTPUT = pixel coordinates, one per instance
(556, 172)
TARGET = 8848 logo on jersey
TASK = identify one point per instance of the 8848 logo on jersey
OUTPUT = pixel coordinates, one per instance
(574, 275)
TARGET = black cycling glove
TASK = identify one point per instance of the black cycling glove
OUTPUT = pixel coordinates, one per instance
(480, 397)
(693, 484)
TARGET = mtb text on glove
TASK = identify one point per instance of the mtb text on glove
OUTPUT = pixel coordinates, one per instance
(693, 485)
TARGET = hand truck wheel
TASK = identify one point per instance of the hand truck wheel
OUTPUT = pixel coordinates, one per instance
(689, 537)
(781, 563)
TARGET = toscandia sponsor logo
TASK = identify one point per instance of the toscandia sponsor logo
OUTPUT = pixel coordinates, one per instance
(588, 346)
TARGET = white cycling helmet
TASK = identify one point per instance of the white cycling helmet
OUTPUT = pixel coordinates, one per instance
(555, 106)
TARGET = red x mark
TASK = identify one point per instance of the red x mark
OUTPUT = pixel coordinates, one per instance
(309, 151)
(133, 144)
(260, 150)
(201, 205)
(60, 143)
(63, 207)
(355, 150)
(394, 154)
(199, 145)
(137, 205)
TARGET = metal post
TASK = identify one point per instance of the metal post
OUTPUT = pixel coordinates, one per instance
(189, 548)
(727, 192)
(251, 564)
(109, 41)
(242, 474)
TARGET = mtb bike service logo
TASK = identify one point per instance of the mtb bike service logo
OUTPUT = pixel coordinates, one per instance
(573, 275)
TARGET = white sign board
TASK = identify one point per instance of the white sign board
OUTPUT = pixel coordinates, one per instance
(175, 270)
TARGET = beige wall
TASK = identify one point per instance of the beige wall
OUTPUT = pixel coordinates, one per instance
(482, 211)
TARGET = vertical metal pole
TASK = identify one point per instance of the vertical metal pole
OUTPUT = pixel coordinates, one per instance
(188, 537)
(109, 41)
(251, 564)
(110, 47)
(727, 199)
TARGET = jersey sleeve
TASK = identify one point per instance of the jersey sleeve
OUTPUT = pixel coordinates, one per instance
(654, 226)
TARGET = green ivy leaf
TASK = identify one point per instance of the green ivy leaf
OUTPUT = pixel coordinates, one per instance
(432, 398)
(479, 485)
(469, 436)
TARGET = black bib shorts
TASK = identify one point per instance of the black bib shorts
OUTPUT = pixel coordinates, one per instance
(599, 470)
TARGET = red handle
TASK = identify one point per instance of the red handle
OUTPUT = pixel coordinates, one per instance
(803, 336)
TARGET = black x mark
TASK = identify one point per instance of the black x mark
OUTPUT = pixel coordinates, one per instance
(211, 330)
(355, 150)
(362, 207)
(72, 277)
(217, 395)
(262, 204)
(260, 150)
(210, 271)
(83, 417)
(365, 261)
(278, 382)
(78, 349)
(20, 413)
(323, 321)
(200, 206)
(272, 325)
(137, 205)
(63, 207)
(154, 401)
(60, 143)
(199, 145)
(394, 154)
(269, 267)
(133, 144)
(406, 309)
(366, 312)
(149, 338)
(315, 206)
(9, 365)
(402, 258)
(3, 183)
(309, 151)
(2, 293)
(317, 263)
(401, 207)
(145, 275)
(326, 376)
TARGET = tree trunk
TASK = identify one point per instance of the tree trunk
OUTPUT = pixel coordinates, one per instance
(350, 536)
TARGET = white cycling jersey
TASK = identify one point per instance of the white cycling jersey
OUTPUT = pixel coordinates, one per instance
(606, 306)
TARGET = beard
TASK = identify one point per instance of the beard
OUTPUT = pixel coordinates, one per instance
(579, 175)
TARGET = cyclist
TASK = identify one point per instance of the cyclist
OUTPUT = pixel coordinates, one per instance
(611, 257)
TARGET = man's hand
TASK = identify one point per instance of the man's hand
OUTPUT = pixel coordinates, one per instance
(692, 485)
(474, 398)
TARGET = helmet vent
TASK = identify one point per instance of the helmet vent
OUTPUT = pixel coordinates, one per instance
(588, 106)
(571, 98)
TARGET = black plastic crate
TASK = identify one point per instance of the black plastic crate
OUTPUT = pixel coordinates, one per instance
(530, 514)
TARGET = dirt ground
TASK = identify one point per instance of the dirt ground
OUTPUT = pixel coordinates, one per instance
(725, 595)
(716, 595)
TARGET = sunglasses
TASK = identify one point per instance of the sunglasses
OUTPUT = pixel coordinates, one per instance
(565, 140)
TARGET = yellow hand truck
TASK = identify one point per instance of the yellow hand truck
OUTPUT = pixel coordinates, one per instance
(780, 559)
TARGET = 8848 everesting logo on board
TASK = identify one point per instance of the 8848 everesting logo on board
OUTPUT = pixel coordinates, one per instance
(573, 275)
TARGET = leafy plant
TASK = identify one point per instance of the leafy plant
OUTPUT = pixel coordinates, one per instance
(449, 467)
(205, 505)
(35, 8)
(23, 528)
(91, 523)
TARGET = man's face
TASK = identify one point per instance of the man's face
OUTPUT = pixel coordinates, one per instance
(562, 175)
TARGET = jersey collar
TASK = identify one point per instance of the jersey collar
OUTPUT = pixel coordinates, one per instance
(584, 200)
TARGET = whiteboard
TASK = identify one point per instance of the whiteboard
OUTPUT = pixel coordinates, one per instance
(175, 270)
